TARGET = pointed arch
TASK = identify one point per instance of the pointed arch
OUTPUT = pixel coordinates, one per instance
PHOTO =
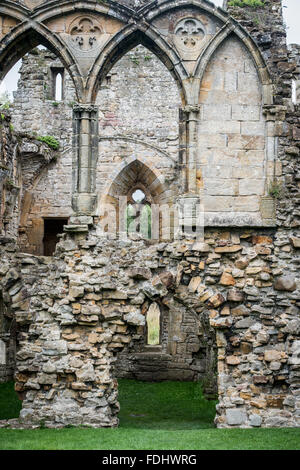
(129, 37)
(25, 37)
(231, 29)
(136, 174)
(13, 9)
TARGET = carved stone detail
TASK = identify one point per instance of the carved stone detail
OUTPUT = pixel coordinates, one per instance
(191, 108)
(189, 33)
(85, 32)
(33, 3)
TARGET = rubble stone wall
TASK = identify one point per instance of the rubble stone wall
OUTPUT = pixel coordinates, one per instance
(76, 311)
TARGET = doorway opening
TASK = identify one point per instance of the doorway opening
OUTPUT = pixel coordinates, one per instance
(52, 228)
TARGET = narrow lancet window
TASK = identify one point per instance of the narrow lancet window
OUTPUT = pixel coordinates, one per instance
(153, 325)
(58, 87)
(139, 215)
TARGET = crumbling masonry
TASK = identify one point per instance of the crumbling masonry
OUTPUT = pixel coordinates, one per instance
(192, 106)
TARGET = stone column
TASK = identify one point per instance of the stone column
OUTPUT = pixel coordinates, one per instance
(192, 118)
(187, 203)
(275, 116)
(85, 155)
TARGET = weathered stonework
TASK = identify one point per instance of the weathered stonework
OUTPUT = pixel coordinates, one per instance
(229, 139)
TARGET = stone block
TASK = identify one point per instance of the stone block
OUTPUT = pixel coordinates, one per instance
(285, 283)
(216, 112)
(255, 420)
(135, 318)
(227, 279)
(253, 128)
(245, 112)
(272, 355)
(248, 187)
(228, 249)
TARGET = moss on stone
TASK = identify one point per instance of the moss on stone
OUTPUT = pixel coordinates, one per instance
(50, 141)
(246, 3)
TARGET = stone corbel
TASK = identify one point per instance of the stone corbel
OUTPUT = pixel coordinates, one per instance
(191, 108)
(274, 112)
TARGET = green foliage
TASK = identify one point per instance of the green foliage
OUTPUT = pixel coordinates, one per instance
(55, 104)
(246, 3)
(147, 58)
(162, 416)
(135, 60)
(10, 405)
(50, 141)
(5, 101)
(153, 334)
(276, 190)
(144, 220)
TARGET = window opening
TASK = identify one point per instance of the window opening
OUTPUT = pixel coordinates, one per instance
(58, 84)
(139, 215)
(153, 325)
(52, 227)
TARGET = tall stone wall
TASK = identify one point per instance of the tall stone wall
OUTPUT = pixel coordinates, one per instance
(22, 159)
(236, 164)
(10, 183)
(139, 106)
(81, 314)
(35, 111)
(76, 312)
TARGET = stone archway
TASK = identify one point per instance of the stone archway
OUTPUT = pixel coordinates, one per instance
(134, 173)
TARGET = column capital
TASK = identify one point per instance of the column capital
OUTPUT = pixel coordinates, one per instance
(274, 112)
(191, 108)
(85, 109)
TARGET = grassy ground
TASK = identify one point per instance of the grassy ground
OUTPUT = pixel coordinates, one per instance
(167, 416)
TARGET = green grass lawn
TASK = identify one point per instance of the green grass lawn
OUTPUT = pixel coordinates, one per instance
(154, 416)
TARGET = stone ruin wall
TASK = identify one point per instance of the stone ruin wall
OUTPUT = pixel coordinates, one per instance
(246, 283)
(139, 110)
(235, 167)
(139, 82)
(22, 158)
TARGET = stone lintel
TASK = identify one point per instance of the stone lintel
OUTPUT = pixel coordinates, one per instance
(76, 228)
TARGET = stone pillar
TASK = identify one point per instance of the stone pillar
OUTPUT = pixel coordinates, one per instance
(275, 116)
(85, 148)
(188, 203)
(191, 113)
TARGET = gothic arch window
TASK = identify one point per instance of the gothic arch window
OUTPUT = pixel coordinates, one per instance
(153, 322)
(140, 203)
(138, 213)
(58, 83)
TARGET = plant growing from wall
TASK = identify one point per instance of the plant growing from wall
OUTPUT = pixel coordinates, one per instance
(246, 3)
(50, 141)
(276, 189)
(5, 102)
(135, 60)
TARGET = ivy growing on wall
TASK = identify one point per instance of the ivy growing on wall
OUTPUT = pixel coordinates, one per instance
(50, 141)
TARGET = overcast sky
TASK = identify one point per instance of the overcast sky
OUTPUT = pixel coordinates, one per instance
(291, 12)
